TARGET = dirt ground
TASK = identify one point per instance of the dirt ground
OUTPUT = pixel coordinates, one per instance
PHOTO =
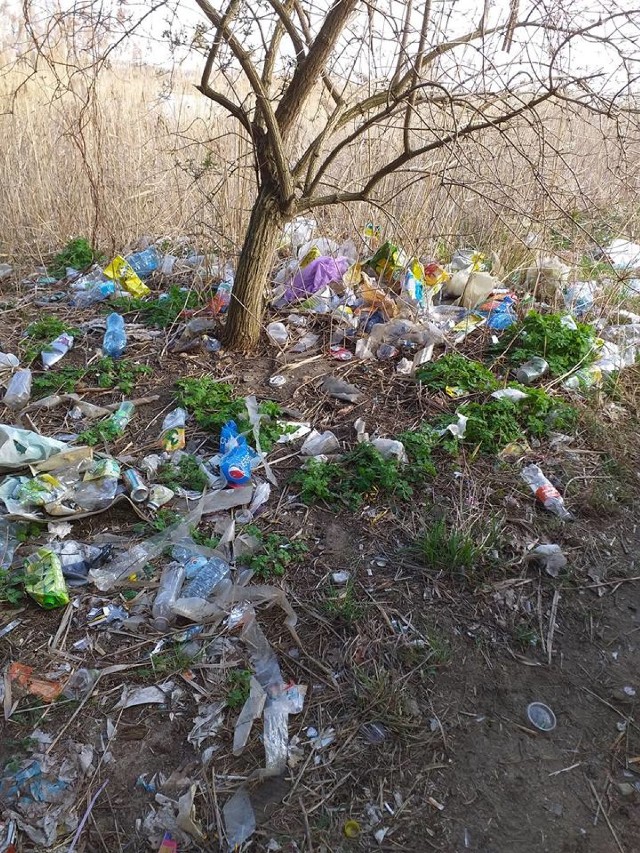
(447, 665)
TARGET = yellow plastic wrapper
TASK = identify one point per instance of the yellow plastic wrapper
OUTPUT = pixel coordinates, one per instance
(44, 580)
(121, 271)
(434, 274)
(312, 255)
(374, 297)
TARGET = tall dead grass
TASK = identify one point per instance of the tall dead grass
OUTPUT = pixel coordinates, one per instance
(135, 160)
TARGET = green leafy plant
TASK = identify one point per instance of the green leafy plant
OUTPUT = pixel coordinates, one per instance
(419, 445)
(546, 335)
(238, 684)
(187, 474)
(104, 431)
(119, 373)
(200, 537)
(39, 334)
(78, 254)
(11, 587)
(362, 473)
(160, 312)
(27, 530)
(453, 370)
(164, 518)
(275, 554)
(63, 380)
(213, 403)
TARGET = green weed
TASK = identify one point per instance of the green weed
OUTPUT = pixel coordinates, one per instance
(341, 603)
(121, 373)
(453, 370)
(11, 587)
(27, 530)
(545, 335)
(78, 254)
(362, 473)
(105, 431)
(164, 518)
(200, 537)
(238, 688)
(167, 663)
(160, 312)
(213, 403)
(187, 474)
(419, 444)
(64, 380)
(39, 334)
(275, 555)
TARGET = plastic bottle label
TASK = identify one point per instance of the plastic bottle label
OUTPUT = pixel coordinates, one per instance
(547, 492)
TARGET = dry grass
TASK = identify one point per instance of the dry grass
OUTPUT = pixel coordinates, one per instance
(147, 155)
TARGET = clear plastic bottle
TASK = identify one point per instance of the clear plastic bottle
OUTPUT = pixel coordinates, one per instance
(18, 390)
(221, 300)
(145, 262)
(95, 494)
(115, 337)
(98, 293)
(170, 584)
(206, 579)
(56, 350)
(545, 491)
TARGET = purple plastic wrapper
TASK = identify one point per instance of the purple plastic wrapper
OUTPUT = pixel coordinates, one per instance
(315, 276)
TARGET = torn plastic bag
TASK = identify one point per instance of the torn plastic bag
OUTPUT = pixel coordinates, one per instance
(251, 710)
(340, 389)
(239, 819)
(137, 556)
(8, 542)
(77, 558)
(390, 448)
(44, 580)
(207, 724)
(21, 447)
(318, 443)
(315, 276)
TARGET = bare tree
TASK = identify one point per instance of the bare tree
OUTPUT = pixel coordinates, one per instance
(311, 84)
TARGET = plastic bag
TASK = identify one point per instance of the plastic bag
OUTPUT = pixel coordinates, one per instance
(121, 271)
(44, 580)
(21, 447)
(173, 430)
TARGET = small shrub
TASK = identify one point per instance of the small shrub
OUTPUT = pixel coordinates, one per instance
(456, 371)
(39, 334)
(238, 683)
(158, 313)
(275, 555)
(445, 550)
(187, 474)
(546, 335)
(78, 254)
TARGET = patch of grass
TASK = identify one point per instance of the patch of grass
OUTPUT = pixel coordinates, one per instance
(545, 335)
(200, 537)
(11, 587)
(525, 636)
(121, 373)
(454, 370)
(39, 334)
(78, 254)
(419, 445)
(166, 663)
(380, 696)
(160, 312)
(446, 550)
(341, 604)
(27, 530)
(187, 474)
(361, 474)
(275, 555)
(238, 688)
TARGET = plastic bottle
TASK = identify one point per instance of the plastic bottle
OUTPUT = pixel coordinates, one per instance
(170, 584)
(115, 337)
(97, 293)
(206, 579)
(531, 370)
(18, 390)
(221, 300)
(56, 350)
(277, 333)
(545, 491)
(123, 415)
(146, 262)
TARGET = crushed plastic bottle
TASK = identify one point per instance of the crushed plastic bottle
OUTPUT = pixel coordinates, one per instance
(145, 262)
(222, 299)
(207, 579)
(44, 580)
(98, 293)
(170, 585)
(173, 427)
(115, 337)
(18, 390)
(545, 491)
(277, 334)
(531, 370)
(56, 350)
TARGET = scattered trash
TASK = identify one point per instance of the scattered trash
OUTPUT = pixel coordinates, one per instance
(545, 492)
(374, 733)
(351, 829)
(340, 389)
(541, 717)
(56, 350)
(532, 370)
(44, 580)
(550, 557)
(115, 337)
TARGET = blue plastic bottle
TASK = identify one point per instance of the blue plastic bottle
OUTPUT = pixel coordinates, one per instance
(115, 337)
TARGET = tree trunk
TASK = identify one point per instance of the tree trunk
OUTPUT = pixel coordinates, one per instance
(244, 321)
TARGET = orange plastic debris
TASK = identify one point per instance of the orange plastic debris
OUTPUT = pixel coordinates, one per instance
(22, 675)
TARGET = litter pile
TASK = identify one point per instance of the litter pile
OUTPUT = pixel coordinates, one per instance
(373, 304)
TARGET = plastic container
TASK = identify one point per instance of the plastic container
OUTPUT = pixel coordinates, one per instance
(545, 491)
(170, 585)
(115, 337)
(206, 579)
(44, 580)
(221, 300)
(532, 370)
(97, 293)
(173, 427)
(278, 334)
(146, 262)
(541, 716)
(123, 415)
(56, 350)
(96, 494)
(18, 390)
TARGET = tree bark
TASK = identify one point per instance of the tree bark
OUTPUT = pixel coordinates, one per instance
(244, 321)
